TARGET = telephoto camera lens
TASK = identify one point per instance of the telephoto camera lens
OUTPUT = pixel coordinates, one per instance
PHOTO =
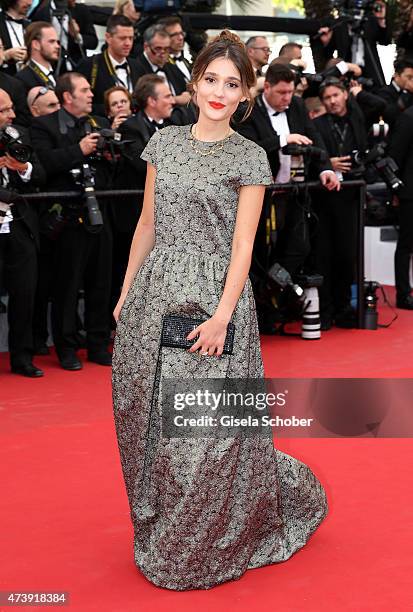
(311, 325)
(370, 305)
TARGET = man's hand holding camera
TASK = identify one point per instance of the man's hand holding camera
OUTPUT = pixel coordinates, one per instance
(341, 164)
(88, 143)
(6, 161)
(298, 139)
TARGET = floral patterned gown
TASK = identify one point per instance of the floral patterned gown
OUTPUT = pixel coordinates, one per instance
(204, 510)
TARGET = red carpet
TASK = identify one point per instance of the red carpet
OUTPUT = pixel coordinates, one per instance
(65, 520)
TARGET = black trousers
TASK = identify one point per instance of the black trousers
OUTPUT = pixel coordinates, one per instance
(18, 273)
(288, 244)
(336, 249)
(82, 259)
(43, 290)
(404, 248)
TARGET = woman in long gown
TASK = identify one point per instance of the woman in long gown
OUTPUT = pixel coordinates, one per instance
(204, 510)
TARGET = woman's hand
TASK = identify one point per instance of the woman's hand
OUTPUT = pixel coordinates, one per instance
(118, 307)
(211, 339)
(118, 120)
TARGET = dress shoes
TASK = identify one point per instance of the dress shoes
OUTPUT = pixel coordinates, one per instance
(326, 323)
(69, 360)
(27, 369)
(346, 318)
(406, 303)
(100, 357)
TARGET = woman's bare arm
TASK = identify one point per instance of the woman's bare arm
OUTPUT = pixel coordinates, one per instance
(212, 332)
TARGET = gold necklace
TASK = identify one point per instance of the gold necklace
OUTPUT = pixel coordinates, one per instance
(217, 146)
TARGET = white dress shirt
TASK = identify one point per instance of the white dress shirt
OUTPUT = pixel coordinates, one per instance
(280, 124)
(161, 73)
(180, 64)
(47, 71)
(122, 74)
(25, 176)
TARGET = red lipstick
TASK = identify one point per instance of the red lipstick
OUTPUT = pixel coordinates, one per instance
(216, 105)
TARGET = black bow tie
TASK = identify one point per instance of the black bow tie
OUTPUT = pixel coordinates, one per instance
(179, 58)
(22, 22)
(156, 124)
(124, 66)
(277, 113)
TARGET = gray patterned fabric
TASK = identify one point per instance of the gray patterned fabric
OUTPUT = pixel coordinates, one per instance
(203, 510)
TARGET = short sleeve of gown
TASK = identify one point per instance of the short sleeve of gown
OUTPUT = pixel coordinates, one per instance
(255, 169)
(151, 151)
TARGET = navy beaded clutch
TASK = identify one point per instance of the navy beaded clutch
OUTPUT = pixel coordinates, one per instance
(175, 329)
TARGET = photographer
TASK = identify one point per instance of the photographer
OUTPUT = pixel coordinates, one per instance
(74, 26)
(399, 94)
(401, 149)
(43, 51)
(155, 59)
(354, 36)
(259, 51)
(280, 118)
(19, 240)
(173, 26)
(113, 66)
(343, 131)
(13, 22)
(66, 141)
(16, 92)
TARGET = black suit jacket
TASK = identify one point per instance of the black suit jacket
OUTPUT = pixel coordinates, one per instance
(173, 74)
(341, 42)
(81, 13)
(59, 153)
(357, 122)
(401, 149)
(258, 127)
(5, 37)
(96, 70)
(30, 79)
(392, 98)
(27, 211)
(17, 93)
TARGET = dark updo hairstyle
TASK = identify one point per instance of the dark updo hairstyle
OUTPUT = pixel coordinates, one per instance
(229, 46)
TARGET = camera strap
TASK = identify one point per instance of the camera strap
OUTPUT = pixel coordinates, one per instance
(341, 134)
(113, 74)
(42, 75)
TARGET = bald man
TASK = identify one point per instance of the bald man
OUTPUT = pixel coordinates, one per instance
(42, 101)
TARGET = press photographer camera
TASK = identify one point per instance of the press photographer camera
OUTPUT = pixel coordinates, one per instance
(11, 143)
(84, 177)
(301, 157)
(352, 31)
(373, 164)
(356, 9)
(109, 144)
(74, 25)
(67, 141)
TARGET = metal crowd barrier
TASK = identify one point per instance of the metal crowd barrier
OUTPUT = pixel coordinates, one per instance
(313, 185)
